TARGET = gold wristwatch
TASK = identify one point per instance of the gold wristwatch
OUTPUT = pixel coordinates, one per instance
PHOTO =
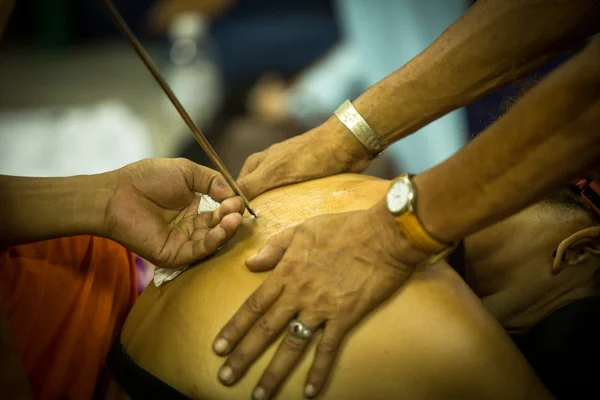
(401, 199)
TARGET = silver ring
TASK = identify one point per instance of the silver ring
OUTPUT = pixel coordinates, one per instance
(300, 330)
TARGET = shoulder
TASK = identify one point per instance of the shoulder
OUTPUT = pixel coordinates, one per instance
(443, 332)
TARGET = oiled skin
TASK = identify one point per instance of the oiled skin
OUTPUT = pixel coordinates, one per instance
(432, 340)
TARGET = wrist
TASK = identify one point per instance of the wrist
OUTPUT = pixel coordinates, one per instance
(81, 203)
(351, 151)
(430, 211)
(392, 238)
(96, 198)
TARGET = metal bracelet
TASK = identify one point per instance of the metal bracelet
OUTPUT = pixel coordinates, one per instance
(356, 124)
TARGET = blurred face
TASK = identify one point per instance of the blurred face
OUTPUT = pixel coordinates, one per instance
(508, 264)
(525, 239)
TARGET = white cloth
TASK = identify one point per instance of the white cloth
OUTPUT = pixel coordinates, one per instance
(163, 275)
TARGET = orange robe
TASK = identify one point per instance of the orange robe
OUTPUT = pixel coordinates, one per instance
(66, 300)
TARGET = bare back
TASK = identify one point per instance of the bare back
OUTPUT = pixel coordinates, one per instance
(432, 340)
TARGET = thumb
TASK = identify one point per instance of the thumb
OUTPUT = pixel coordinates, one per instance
(204, 180)
(268, 257)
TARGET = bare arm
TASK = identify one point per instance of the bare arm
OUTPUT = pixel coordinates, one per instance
(494, 43)
(550, 136)
(33, 209)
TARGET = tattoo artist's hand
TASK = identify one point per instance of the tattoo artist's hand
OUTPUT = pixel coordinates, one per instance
(154, 211)
(332, 270)
(326, 150)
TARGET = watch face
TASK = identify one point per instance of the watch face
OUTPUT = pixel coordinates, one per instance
(398, 197)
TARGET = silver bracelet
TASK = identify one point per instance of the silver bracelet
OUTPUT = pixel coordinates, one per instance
(356, 124)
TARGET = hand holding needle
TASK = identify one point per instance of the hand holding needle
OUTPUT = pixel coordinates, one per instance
(210, 152)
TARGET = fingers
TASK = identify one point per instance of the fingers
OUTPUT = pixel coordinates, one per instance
(268, 257)
(205, 242)
(211, 231)
(202, 179)
(250, 180)
(219, 189)
(288, 355)
(325, 356)
(219, 235)
(260, 335)
(251, 163)
(252, 309)
(229, 206)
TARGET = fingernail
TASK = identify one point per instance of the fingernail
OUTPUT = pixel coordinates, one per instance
(309, 390)
(258, 394)
(225, 374)
(221, 346)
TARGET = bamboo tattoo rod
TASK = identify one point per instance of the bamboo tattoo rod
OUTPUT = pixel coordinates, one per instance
(210, 152)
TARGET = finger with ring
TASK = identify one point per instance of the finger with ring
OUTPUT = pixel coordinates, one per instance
(260, 335)
(300, 330)
(289, 353)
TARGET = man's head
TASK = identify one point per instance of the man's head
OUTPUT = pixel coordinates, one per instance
(513, 265)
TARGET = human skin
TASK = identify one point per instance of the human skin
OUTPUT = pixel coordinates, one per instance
(548, 137)
(150, 207)
(492, 44)
(433, 339)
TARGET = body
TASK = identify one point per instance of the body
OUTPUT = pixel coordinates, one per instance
(433, 330)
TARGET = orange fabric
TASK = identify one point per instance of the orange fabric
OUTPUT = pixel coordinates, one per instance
(66, 299)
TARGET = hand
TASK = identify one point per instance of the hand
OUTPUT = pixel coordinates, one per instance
(331, 272)
(326, 150)
(154, 211)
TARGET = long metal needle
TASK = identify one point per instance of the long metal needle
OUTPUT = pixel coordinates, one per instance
(210, 152)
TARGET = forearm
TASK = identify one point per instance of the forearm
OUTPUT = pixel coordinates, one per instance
(549, 137)
(33, 209)
(494, 43)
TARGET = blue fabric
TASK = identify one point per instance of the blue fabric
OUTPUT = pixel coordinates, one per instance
(248, 46)
(377, 40)
(257, 36)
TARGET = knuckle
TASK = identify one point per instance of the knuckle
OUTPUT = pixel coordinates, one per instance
(244, 187)
(255, 159)
(294, 344)
(265, 327)
(230, 331)
(317, 375)
(251, 159)
(270, 380)
(182, 161)
(303, 227)
(254, 305)
(327, 347)
(237, 360)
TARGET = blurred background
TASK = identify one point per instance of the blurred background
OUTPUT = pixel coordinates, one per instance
(75, 99)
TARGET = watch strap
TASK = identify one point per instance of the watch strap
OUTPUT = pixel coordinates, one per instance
(417, 235)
